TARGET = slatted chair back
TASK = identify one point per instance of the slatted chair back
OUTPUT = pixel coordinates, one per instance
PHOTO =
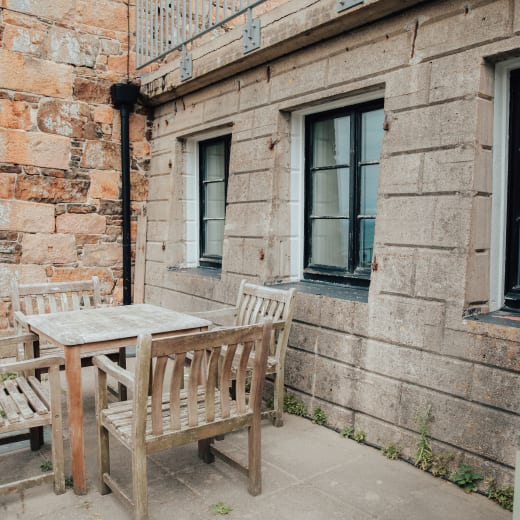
(180, 410)
(42, 298)
(256, 303)
(26, 402)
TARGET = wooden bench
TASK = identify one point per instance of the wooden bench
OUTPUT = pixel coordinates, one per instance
(181, 411)
(254, 304)
(26, 403)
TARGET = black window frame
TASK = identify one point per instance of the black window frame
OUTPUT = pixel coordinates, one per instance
(207, 260)
(354, 274)
(511, 281)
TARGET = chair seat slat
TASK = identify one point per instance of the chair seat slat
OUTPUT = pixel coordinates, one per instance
(19, 399)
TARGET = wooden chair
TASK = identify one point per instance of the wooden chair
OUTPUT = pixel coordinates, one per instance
(254, 304)
(27, 403)
(43, 298)
(181, 411)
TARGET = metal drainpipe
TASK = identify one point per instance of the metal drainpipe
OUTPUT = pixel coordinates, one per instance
(124, 96)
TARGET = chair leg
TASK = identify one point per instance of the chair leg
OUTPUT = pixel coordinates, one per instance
(122, 391)
(205, 451)
(103, 443)
(140, 483)
(57, 431)
(254, 457)
(36, 438)
(278, 400)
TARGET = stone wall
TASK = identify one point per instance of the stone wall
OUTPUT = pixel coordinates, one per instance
(60, 216)
(375, 364)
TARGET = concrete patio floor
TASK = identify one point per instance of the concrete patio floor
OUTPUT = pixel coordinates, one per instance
(309, 473)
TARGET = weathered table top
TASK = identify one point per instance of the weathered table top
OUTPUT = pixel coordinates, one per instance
(110, 323)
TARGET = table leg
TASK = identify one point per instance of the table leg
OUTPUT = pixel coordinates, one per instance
(75, 409)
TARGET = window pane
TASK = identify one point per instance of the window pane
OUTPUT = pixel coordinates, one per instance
(366, 241)
(368, 185)
(213, 237)
(214, 200)
(371, 135)
(330, 242)
(331, 192)
(331, 142)
(215, 162)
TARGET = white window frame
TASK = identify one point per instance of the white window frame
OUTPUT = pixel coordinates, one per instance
(500, 177)
(191, 201)
(297, 190)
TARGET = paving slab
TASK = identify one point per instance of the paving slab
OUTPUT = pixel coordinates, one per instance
(309, 473)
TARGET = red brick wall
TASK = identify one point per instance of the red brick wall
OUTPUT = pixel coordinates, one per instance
(60, 209)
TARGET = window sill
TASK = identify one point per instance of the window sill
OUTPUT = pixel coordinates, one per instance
(340, 292)
(200, 271)
(501, 317)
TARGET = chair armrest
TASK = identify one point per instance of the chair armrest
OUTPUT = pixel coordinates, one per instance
(8, 344)
(223, 317)
(19, 319)
(31, 364)
(121, 375)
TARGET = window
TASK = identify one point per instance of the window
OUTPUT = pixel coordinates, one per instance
(213, 175)
(342, 154)
(512, 268)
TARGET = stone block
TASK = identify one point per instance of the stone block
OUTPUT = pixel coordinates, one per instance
(63, 118)
(26, 40)
(400, 174)
(305, 78)
(456, 75)
(418, 367)
(51, 189)
(377, 396)
(60, 10)
(438, 221)
(406, 321)
(250, 156)
(481, 222)
(449, 170)
(102, 15)
(496, 388)
(35, 75)
(101, 155)
(477, 277)
(395, 272)
(103, 114)
(477, 429)
(225, 106)
(89, 224)
(34, 148)
(92, 90)
(159, 187)
(102, 255)
(337, 314)
(105, 184)
(449, 124)
(7, 181)
(247, 220)
(447, 31)
(15, 114)
(308, 308)
(299, 370)
(440, 275)
(24, 273)
(336, 382)
(139, 187)
(65, 46)
(26, 216)
(255, 91)
(372, 56)
(68, 274)
(44, 248)
(408, 86)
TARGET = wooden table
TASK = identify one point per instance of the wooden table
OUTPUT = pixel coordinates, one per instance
(89, 330)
